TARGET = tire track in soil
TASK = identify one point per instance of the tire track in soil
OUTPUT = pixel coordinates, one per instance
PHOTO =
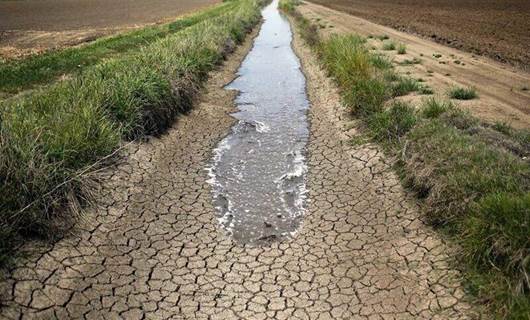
(152, 248)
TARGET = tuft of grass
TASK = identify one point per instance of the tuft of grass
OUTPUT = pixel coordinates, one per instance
(50, 137)
(389, 45)
(366, 96)
(412, 61)
(424, 89)
(404, 85)
(390, 125)
(433, 108)
(502, 127)
(402, 48)
(347, 58)
(436, 55)
(380, 61)
(462, 93)
(383, 37)
(289, 6)
(497, 236)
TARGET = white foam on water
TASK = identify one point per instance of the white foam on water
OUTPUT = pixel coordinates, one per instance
(261, 127)
(300, 190)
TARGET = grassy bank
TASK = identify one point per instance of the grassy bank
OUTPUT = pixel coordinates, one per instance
(473, 178)
(17, 75)
(50, 137)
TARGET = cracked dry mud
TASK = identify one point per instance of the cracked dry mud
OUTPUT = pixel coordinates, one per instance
(152, 247)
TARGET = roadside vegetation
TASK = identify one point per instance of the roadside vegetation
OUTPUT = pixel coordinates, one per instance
(472, 177)
(20, 74)
(51, 137)
(460, 93)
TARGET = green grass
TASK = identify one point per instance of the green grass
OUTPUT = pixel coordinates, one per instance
(393, 123)
(51, 136)
(18, 75)
(474, 191)
(408, 62)
(462, 93)
(402, 48)
(389, 45)
(433, 108)
(404, 85)
(380, 61)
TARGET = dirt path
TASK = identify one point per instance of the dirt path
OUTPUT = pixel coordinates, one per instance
(153, 248)
(501, 89)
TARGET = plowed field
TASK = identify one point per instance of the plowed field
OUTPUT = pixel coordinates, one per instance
(498, 29)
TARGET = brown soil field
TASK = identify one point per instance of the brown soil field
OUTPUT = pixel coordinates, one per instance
(503, 93)
(497, 28)
(32, 26)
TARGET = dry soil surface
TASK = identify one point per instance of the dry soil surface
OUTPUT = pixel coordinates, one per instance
(498, 29)
(33, 26)
(153, 249)
(504, 92)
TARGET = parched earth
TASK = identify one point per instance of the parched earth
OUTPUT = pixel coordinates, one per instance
(152, 247)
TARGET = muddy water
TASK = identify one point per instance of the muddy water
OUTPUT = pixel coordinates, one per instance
(258, 170)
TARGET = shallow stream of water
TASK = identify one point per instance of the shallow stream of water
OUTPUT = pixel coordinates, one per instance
(258, 170)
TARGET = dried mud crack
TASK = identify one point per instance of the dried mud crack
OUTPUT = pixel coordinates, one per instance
(152, 247)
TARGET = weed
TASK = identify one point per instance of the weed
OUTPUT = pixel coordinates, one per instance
(380, 61)
(407, 62)
(404, 85)
(502, 127)
(436, 55)
(383, 37)
(462, 93)
(390, 125)
(402, 48)
(347, 58)
(425, 90)
(389, 45)
(289, 6)
(433, 108)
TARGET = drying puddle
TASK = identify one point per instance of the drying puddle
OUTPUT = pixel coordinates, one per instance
(258, 170)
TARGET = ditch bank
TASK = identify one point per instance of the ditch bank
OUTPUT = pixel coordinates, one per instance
(153, 246)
